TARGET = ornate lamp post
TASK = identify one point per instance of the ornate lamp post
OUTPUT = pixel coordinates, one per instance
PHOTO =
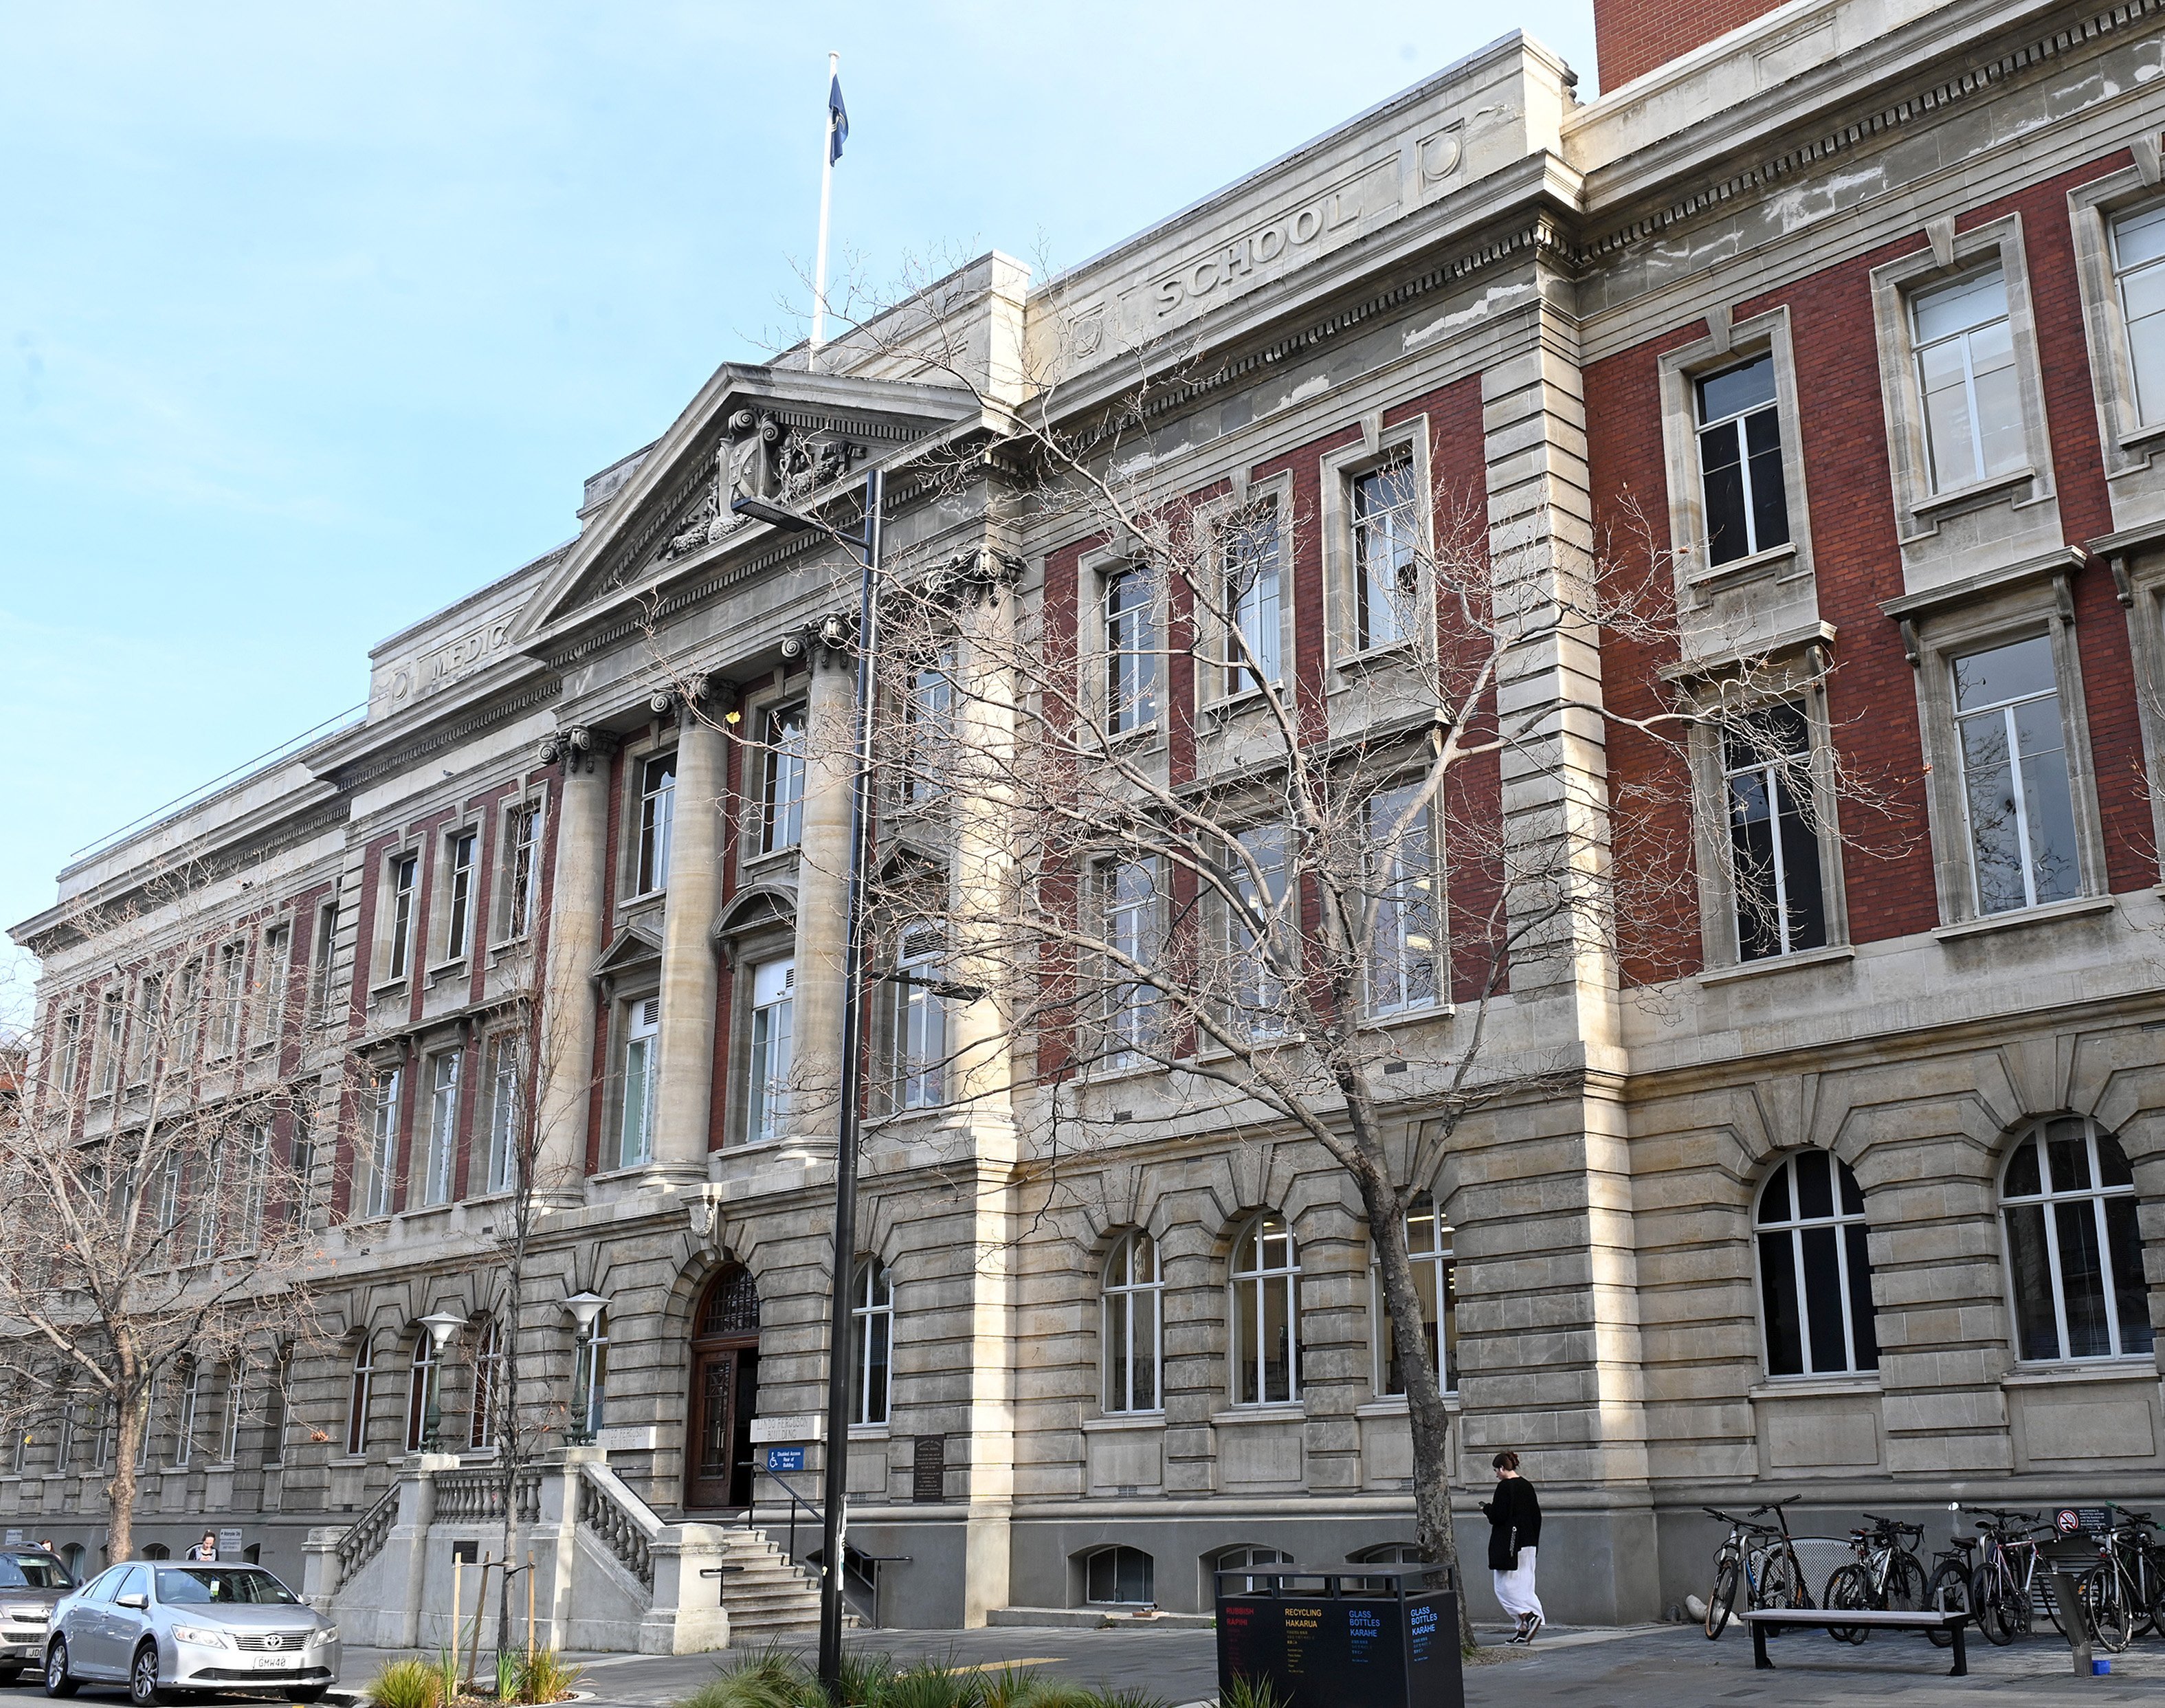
(441, 1326)
(583, 1307)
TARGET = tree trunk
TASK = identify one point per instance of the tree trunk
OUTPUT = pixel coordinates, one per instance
(131, 1418)
(1435, 1530)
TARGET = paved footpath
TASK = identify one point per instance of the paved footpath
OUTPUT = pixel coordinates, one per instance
(1656, 1667)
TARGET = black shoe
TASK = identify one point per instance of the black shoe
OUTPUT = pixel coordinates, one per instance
(1534, 1623)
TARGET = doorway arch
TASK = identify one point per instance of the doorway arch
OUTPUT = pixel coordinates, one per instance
(725, 1397)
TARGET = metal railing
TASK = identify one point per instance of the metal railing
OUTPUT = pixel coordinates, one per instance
(364, 1537)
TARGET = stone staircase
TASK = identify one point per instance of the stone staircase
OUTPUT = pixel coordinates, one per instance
(771, 1595)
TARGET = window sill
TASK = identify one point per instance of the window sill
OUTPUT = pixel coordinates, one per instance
(2014, 917)
(1813, 1387)
(2143, 437)
(1935, 503)
(1825, 957)
(1232, 706)
(1375, 658)
(1120, 1422)
(768, 860)
(1276, 1412)
(1143, 736)
(2140, 1367)
(1394, 1404)
(443, 969)
(1388, 1020)
(1745, 568)
(390, 987)
(869, 1432)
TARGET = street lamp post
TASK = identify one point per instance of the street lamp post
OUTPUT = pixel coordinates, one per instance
(441, 1326)
(869, 547)
(584, 1307)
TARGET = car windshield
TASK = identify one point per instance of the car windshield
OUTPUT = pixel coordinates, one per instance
(33, 1572)
(184, 1586)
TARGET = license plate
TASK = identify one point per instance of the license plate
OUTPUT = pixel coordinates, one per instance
(272, 1663)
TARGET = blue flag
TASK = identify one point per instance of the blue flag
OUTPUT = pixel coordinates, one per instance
(838, 120)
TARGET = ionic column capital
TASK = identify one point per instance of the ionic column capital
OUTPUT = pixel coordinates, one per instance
(580, 746)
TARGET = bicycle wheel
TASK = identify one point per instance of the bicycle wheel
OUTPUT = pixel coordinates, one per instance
(1847, 1590)
(1782, 1580)
(1723, 1598)
(1905, 1582)
(1949, 1589)
(2111, 1618)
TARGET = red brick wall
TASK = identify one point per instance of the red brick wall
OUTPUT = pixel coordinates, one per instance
(1871, 694)
(1631, 37)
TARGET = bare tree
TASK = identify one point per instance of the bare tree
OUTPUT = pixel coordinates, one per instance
(1130, 826)
(155, 1228)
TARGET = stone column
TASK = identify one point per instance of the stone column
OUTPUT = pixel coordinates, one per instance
(823, 896)
(578, 901)
(689, 979)
(982, 949)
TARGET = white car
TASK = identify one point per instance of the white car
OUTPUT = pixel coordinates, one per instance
(159, 1627)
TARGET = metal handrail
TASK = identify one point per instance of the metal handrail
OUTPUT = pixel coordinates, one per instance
(796, 1501)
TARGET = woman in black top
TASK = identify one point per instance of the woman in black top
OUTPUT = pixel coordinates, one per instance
(1514, 1526)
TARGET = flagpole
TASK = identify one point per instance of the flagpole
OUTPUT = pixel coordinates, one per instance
(826, 195)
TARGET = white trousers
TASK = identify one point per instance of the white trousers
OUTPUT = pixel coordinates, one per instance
(1515, 1589)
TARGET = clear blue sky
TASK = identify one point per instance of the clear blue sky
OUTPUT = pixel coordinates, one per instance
(315, 316)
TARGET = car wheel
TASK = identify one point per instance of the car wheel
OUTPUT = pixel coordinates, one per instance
(59, 1681)
(143, 1678)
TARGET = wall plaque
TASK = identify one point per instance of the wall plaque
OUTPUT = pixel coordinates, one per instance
(928, 1470)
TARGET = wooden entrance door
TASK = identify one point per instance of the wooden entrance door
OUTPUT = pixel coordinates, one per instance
(724, 1394)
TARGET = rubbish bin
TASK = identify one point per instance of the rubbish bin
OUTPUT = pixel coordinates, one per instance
(1366, 1636)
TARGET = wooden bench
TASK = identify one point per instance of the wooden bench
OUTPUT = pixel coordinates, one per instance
(1856, 1618)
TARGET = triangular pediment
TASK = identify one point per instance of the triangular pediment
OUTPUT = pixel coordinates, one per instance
(781, 431)
(634, 946)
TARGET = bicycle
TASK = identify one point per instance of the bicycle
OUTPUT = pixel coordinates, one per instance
(2126, 1590)
(2003, 1589)
(1884, 1575)
(1947, 1587)
(1769, 1572)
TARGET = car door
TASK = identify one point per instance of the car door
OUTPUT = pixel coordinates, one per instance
(84, 1624)
(123, 1624)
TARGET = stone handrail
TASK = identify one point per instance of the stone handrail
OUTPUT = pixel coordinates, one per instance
(364, 1537)
(625, 1525)
(476, 1496)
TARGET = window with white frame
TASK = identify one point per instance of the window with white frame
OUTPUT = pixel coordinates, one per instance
(1135, 1325)
(274, 1412)
(255, 1186)
(1429, 1250)
(871, 1341)
(487, 1388)
(522, 867)
(2074, 1249)
(404, 870)
(1776, 889)
(182, 1015)
(1385, 518)
(774, 1025)
(1265, 1286)
(2017, 797)
(1742, 483)
(1128, 895)
(112, 1034)
(273, 962)
(144, 1037)
(324, 948)
(1248, 1555)
(232, 998)
(506, 1111)
(376, 1165)
(658, 810)
(444, 1070)
(420, 1390)
(916, 1022)
(928, 713)
(68, 1051)
(229, 1429)
(360, 1395)
(459, 892)
(1253, 599)
(641, 1053)
(1814, 1272)
(147, 1439)
(210, 1198)
(781, 783)
(2138, 261)
(173, 1192)
(1405, 954)
(184, 1429)
(1128, 596)
(1256, 877)
(1966, 381)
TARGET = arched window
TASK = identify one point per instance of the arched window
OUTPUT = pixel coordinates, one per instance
(1815, 1278)
(156, 1551)
(1428, 1245)
(359, 1391)
(1232, 1559)
(420, 1389)
(487, 1387)
(871, 1341)
(1266, 1304)
(2074, 1256)
(1119, 1576)
(1135, 1325)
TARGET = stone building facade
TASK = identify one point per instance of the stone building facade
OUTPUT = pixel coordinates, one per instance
(1859, 307)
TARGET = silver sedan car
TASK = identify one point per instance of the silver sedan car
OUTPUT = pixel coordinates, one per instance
(162, 1627)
